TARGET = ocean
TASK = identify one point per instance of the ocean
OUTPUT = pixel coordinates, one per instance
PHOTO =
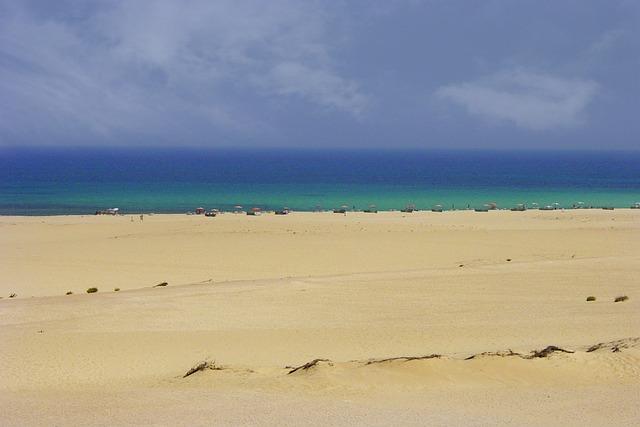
(54, 181)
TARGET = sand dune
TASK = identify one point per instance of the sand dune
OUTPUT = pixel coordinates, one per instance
(365, 293)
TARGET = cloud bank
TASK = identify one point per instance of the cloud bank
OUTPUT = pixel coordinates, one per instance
(118, 67)
(320, 73)
(527, 99)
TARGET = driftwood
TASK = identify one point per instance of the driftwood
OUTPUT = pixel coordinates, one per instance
(205, 364)
(308, 365)
(160, 284)
(404, 358)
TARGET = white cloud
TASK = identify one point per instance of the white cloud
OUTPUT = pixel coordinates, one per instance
(126, 66)
(325, 88)
(529, 100)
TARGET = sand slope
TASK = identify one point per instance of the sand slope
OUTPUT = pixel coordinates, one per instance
(261, 296)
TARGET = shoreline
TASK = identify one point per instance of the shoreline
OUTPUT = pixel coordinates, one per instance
(271, 212)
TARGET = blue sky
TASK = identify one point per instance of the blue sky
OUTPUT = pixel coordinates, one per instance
(428, 74)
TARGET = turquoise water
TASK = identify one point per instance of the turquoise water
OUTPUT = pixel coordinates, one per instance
(42, 182)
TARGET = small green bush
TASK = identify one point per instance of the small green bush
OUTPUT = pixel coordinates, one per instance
(92, 290)
(591, 298)
(620, 299)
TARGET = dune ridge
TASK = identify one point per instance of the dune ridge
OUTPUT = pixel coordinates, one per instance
(615, 346)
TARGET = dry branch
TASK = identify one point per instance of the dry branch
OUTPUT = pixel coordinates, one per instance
(308, 365)
(404, 358)
(615, 346)
(494, 353)
(546, 352)
(205, 364)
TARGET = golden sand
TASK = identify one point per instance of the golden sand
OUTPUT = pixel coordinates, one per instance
(259, 296)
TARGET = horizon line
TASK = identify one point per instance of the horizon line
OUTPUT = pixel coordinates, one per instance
(315, 149)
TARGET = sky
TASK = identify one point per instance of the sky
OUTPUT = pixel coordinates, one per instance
(493, 74)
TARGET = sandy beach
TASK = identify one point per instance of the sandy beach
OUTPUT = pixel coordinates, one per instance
(454, 318)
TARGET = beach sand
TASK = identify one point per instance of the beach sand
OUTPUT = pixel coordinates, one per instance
(475, 293)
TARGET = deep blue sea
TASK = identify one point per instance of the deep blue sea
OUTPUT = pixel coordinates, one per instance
(80, 181)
